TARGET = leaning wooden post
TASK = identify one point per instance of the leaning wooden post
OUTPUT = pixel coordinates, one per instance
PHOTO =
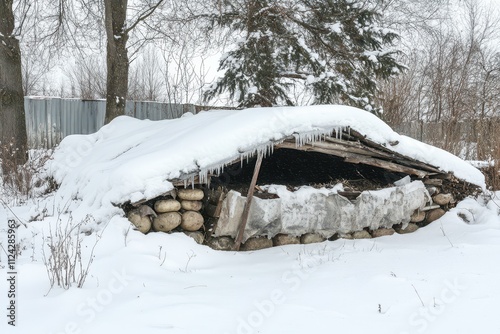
(246, 210)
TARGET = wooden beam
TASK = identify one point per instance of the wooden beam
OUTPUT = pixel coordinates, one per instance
(187, 178)
(356, 144)
(246, 210)
(433, 182)
(387, 165)
(358, 149)
(379, 151)
(172, 193)
(358, 158)
(214, 210)
(406, 160)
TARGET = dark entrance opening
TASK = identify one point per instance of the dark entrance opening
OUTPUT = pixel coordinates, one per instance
(295, 168)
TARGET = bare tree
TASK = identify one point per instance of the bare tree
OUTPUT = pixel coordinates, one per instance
(452, 83)
(145, 79)
(88, 77)
(12, 117)
(117, 32)
(184, 70)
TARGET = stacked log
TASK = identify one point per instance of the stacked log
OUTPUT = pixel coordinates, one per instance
(179, 211)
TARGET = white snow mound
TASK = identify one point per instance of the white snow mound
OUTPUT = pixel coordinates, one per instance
(131, 159)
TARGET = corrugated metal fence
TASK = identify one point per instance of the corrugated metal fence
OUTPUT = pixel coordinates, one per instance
(50, 119)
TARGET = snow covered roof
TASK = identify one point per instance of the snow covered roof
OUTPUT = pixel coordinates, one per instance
(132, 160)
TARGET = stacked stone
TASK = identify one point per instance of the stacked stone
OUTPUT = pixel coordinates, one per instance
(441, 202)
(182, 213)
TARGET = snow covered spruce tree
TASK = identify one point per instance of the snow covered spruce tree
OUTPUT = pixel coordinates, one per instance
(335, 49)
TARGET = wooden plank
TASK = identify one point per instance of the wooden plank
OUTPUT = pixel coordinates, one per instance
(444, 176)
(352, 149)
(246, 210)
(433, 182)
(308, 148)
(378, 152)
(210, 210)
(358, 158)
(214, 210)
(387, 165)
(404, 159)
(172, 193)
(186, 178)
(357, 144)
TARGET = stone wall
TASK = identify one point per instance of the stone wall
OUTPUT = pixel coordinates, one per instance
(204, 215)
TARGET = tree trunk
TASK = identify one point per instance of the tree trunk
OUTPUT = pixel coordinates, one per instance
(13, 136)
(117, 58)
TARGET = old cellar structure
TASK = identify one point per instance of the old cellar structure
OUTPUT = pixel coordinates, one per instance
(303, 188)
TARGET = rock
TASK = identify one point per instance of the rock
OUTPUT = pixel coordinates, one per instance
(417, 216)
(334, 237)
(409, 229)
(433, 191)
(311, 238)
(142, 223)
(190, 194)
(197, 236)
(221, 243)
(382, 232)
(346, 236)
(145, 210)
(191, 205)
(192, 221)
(167, 205)
(256, 243)
(167, 221)
(434, 215)
(361, 235)
(285, 239)
(442, 199)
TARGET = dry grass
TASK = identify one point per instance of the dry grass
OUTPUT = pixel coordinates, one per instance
(19, 180)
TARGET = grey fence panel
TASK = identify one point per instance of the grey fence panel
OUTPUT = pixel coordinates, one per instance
(49, 120)
(156, 111)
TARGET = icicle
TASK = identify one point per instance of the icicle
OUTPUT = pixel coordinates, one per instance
(185, 183)
(203, 175)
(192, 181)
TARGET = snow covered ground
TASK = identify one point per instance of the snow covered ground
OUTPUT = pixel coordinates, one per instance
(444, 278)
